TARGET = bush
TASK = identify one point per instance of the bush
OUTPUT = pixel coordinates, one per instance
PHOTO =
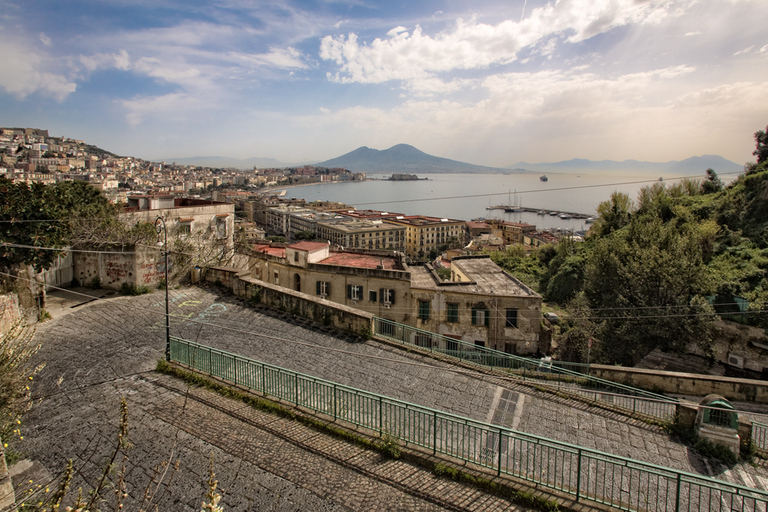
(133, 290)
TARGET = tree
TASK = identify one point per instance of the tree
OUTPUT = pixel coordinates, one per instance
(644, 281)
(761, 145)
(613, 214)
(712, 184)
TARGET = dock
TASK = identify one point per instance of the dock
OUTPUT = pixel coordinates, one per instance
(517, 209)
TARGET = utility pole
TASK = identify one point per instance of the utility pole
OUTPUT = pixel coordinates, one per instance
(160, 227)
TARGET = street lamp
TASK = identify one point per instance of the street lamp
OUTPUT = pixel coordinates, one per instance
(160, 227)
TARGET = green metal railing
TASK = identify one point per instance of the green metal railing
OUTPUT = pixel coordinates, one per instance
(760, 436)
(562, 375)
(622, 483)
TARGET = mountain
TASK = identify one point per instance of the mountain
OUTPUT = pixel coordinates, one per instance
(226, 162)
(402, 158)
(690, 166)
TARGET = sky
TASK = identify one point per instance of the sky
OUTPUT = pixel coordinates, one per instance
(490, 82)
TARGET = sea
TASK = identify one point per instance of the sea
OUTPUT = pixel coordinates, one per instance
(473, 196)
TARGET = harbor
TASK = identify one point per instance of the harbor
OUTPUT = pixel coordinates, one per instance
(540, 211)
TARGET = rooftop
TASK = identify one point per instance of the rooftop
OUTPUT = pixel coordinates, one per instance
(272, 251)
(421, 220)
(486, 278)
(348, 259)
(309, 246)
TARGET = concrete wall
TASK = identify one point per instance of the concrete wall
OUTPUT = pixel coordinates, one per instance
(298, 303)
(145, 268)
(739, 390)
(10, 312)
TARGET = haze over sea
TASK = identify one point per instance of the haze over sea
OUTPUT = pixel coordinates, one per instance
(467, 196)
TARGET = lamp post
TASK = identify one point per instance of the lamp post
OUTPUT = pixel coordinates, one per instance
(160, 227)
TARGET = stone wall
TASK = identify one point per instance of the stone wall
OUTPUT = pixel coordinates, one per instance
(298, 303)
(738, 390)
(112, 270)
(10, 312)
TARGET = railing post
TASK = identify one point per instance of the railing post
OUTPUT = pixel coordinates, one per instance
(296, 388)
(334, 402)
(234, 362)
(210, 362)
(381, 426)
(263, 379)
(434, 433)
(578, 475)
(499, 461)
(677, 497)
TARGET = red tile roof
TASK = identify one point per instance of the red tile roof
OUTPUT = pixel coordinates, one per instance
(308, 246)
(272, 251)
(345, 259)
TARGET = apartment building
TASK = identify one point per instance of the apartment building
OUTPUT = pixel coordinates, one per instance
(426, 234)
(362, 234)
(479, 304)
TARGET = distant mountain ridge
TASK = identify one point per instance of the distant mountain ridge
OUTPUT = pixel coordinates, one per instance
(695, 165)
(406, 159)
(402, 158)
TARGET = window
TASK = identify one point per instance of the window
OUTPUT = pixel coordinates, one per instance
(480, 316)
(323, 288)
(372, 295)
(295, 256)
(354, 291)
(185, 229)
(277, 277)
(387, 296)
(423, 310)
(511, 317)
(452, 313)
(221, 227)
(719, 417)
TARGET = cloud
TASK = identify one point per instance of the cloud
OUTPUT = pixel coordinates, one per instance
(277, 58)
(27, 70)
(404, 55)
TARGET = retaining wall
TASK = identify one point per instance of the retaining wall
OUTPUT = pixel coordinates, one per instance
(738, 390)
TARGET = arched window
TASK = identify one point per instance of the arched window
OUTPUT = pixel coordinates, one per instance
(297, 282)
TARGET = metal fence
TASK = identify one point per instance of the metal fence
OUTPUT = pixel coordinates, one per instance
(760, 437)
(583, 473)
(561, 375)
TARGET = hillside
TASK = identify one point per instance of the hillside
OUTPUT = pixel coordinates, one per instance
(693, 166)
(402, 158)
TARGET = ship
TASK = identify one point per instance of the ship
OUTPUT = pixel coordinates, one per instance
(543, 177)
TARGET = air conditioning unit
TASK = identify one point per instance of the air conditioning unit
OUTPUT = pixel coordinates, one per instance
(736, 361)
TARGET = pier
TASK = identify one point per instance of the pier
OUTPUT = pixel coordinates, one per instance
(542, 211)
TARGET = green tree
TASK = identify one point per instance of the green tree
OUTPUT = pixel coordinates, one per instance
(613, 214)
(761, 145)
(712, 184)
(643, 283)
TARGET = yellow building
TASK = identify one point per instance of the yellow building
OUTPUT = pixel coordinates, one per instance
(425, 234)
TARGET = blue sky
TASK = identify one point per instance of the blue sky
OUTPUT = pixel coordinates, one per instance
(487, 82)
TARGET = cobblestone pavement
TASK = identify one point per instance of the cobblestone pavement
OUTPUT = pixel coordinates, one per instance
(107, 349)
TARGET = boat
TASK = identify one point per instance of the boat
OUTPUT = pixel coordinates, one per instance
(543, 177)
(554, 213)
(541, 212)
(565, 216)
(589, 220)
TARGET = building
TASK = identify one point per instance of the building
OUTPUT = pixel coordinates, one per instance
(479, 304)
(375, 281)
(511, 232)
(424, 235)
(350, 233)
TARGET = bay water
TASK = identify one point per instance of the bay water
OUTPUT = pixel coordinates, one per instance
(468, 196)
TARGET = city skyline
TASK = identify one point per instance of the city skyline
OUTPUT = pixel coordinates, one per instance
(491, 84)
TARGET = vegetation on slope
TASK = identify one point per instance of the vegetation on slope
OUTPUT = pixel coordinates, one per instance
(648, 272)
